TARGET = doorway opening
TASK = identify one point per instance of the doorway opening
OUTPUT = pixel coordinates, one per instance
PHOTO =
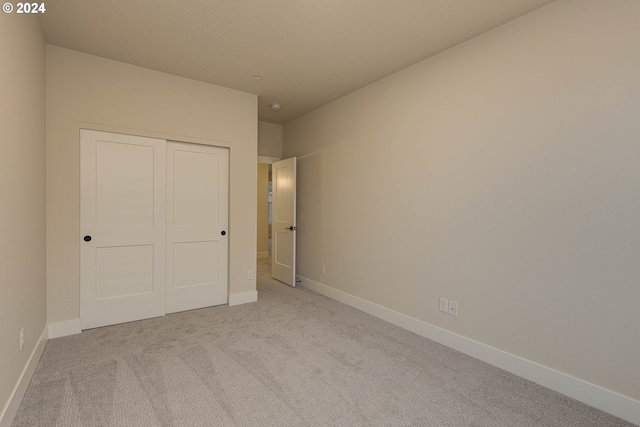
(265, 210)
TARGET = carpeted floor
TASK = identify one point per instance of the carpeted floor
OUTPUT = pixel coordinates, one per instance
(294, 358)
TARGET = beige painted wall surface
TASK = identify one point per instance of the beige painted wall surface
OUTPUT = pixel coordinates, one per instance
(263, 208)
(502, 174)
(22, 194)
(85, 91)
(269, 140)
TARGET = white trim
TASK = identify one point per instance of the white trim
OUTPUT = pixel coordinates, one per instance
(264, 254)
(15, 398)
(266, 159)
(65, 328)
(606, 400)
(243, 298)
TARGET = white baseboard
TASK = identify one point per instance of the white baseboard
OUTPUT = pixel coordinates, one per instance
(606, 400)
(65, 328)
(263, 254)
(243, 298)
(11, 408)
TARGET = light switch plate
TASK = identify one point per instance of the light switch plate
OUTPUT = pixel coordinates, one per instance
(444, 305)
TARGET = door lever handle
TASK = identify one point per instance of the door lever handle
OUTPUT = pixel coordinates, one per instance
(292, 228)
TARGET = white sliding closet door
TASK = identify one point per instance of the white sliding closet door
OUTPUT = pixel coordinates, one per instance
(122, 226)
(197, 226)
(154, 224)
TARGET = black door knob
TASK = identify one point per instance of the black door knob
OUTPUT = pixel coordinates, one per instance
(223, 232)
(293, 228)
(87, 238)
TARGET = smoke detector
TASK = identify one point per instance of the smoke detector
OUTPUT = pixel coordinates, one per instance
(275, 106)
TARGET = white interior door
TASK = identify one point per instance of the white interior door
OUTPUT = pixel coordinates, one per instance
(122, 226)
(283, 230)
(197, 226)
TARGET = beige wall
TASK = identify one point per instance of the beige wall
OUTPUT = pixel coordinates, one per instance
(263, 209)
(85, 91)
(22, 194)
(269, 140)
(503, 174)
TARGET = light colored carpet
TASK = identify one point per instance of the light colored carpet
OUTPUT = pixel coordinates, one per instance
(294, 358)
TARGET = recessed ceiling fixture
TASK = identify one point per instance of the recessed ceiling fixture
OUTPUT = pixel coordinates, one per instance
(275, 106)
(257, 77)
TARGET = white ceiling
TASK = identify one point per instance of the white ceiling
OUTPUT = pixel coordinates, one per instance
(309, 52)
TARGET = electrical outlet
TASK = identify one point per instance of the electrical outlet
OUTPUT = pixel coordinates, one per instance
(323, 269)
(453, 308)
(21, 338)
(250, 274)
(444, 305)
